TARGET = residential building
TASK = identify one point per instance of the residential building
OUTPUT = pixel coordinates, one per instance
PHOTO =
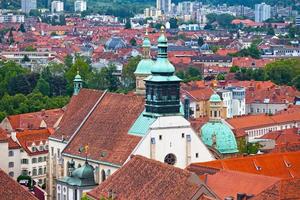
(164, 5)
(238, 102)
(213, 60)
(255, 126)
(57, 6)
(281, 51)
(199, 100)
(11, 18)
(185, 8)
(35, 120)
(4, 150)
(227, 98)
(116, 126)
(10, 189)
(27, 5)
(149, 179)
(80, 5)
(262, 12)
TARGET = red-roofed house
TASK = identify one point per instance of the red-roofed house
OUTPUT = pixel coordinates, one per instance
(35, 120)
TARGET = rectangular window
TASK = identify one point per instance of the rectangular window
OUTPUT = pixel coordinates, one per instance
(182, 135)
(40, 159)
(11, 164)
(160, 137)
(10, 153)
(24, 161)
(58, 152)
(52, 151)
(197, 155)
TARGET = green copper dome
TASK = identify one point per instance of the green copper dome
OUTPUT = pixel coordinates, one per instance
(77, 78)
(146, 42)
(162, 39)
(144, 67)
(219, 136)
(163, 65)
(86, 171)
(215, 98)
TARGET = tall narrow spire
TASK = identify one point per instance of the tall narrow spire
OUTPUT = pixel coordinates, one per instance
(77, 83)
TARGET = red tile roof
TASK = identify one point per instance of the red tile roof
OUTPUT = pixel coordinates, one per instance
(200, 94)
(281, 165)
(254, 121)
(283, 136)
(28, 137)
(106, 130)
(248, 62)
(227, 183)
(3, 136)
(34, 120)
(143, 178)
(11, 190)
(77, 109)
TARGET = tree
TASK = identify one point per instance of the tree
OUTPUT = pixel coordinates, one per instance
(234, 69)
(224, 20)
(30, 48)
(25, 59)
(200, 41)
(105, 79)
(173, 23)
(22, 28)
(132, 42)
(43, 87)
(220, 77)
(270, 31)
(128, 24)
(296, 82)
(128, 76)
(23, 83)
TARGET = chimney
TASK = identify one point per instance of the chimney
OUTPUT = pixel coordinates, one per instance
(240, 196)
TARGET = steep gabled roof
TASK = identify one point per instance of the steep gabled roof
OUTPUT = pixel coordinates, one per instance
(78, 108)
(106, 129)
(3, 136)
(11, 190)
(143, 178)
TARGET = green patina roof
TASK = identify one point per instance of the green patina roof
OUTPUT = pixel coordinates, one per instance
(225, 139)
(83, 176)
(77, 78)
(162, 65)
(158, 78)
(146, 42)
(141, 125)
(162, 39)
(144, 67)
(215, 98)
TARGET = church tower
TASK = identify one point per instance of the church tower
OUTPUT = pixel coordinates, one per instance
(77, 83)
(162, 87)
(215, 108)
(143, 69)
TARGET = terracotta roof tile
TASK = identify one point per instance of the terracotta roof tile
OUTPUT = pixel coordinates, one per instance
(227, 183)
(3, 135)
(80, 105)
(29, 137)
(34, 120)
(106, 130)
(11, 190)
(143, 178)
(281, 165)
(283, 136)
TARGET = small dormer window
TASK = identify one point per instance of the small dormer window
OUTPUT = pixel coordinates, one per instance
(33, 149)
(41, 148)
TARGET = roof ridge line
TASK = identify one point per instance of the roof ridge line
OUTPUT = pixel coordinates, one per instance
(86, 118)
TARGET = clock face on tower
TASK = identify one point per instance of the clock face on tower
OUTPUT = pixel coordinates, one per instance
(170, 159)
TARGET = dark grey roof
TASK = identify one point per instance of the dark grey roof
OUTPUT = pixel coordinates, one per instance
(115, 43)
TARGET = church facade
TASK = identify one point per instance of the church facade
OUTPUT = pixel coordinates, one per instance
(116, 126)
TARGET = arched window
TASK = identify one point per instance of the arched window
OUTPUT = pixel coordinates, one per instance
(34, 172)
(170, 159)
(108, 172)
(103, 175)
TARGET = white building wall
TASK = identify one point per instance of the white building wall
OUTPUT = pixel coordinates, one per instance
(171, 136)
(4, 156)
(16, 159)
(259, 108)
